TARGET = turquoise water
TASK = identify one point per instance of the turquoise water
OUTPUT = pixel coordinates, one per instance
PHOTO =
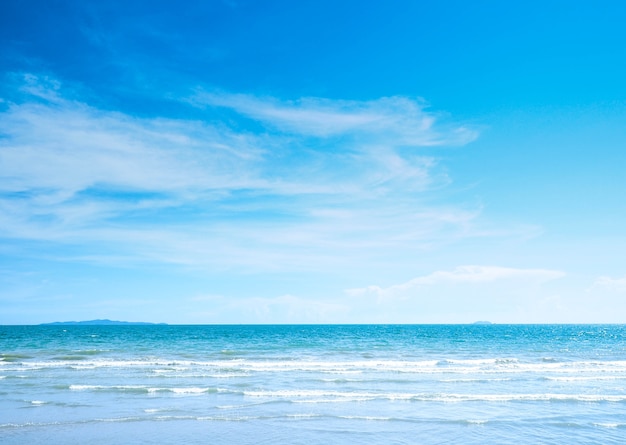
(387, 384)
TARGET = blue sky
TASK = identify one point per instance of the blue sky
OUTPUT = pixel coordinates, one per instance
(313, 161)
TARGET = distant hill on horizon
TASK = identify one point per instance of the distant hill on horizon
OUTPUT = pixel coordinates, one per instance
(99, 323)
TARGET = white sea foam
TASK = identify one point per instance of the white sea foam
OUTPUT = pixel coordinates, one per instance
(119, 419)
(147, 389)
(475, 380)
(341, 380)
(156, 410)
(369, 418)
(105, 387)
(229, 375)
(314, 396)
(28, 424)
(526, 397)
(476, 422)
(189, 390)
(585, 378)
(228, 418)
(84, 387)
(241, 368)
(303, 416)
(477, 362)
(608, 425)
(176, 417)
(324, 396)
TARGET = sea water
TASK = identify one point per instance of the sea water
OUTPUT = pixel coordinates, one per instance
(384, 384)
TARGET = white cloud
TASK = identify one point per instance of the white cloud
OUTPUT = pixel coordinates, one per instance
(611, 284)
(200, 193)
(461, 275)
(465, 294)
(280, 309)
(67, 147)
(476, 286)
(59, 147)
(288, 309)
(396, 120)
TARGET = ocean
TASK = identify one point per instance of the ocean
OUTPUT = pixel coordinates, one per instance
(313, 384)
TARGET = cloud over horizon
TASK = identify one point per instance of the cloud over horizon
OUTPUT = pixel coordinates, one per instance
(465, 294)
(471, 274)
(610, 284)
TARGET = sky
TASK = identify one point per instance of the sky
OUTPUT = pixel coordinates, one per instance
(244, 161)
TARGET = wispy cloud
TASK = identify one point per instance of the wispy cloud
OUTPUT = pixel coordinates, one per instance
(394, 120)
(461, 275)
(463, 295)
(610, 284)
(288, 309)
(65, 147)
(199, 192)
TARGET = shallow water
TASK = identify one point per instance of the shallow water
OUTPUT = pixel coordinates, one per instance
(391, 384)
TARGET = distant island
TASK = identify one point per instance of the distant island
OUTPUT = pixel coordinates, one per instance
(482, 322)
(99, 323)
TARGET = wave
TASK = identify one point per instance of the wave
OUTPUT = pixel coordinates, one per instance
(478, 362)
(475, 422)
(610, 425)
(9, 358)
(70, 358)
(37, 402)
(119, 388)
(230, 418)
(368, 418)
(332, 396)
(145, 389)
(158, 410)
(27, 424)
(357, 372)
(240, 365)
(169, 373)
(153, 416)
(303, 416)
(584, 378)
(475, 380)
(120, 419)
